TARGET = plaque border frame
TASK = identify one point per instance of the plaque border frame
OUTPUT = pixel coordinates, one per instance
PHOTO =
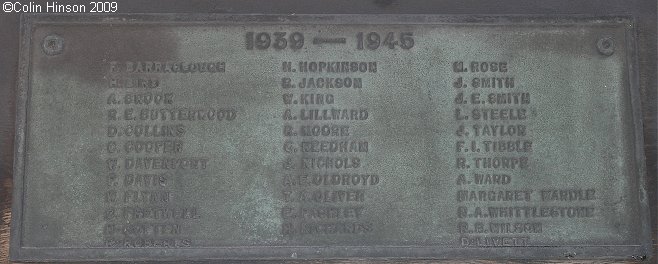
(642, 250)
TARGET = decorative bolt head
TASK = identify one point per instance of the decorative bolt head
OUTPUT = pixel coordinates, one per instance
(606, 46)
(53, 45)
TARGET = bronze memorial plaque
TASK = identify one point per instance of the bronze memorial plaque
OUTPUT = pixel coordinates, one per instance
(200, 137)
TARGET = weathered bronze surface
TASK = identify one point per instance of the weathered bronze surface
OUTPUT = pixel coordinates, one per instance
(167, 137)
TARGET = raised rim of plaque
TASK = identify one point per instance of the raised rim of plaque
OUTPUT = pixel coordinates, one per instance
(639, 250)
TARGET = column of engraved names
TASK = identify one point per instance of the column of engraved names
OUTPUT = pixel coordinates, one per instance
(324, 182)
(492, 149)
(496, 148)
(147, 131)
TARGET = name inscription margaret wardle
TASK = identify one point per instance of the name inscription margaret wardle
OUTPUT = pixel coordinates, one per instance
(320, 136)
